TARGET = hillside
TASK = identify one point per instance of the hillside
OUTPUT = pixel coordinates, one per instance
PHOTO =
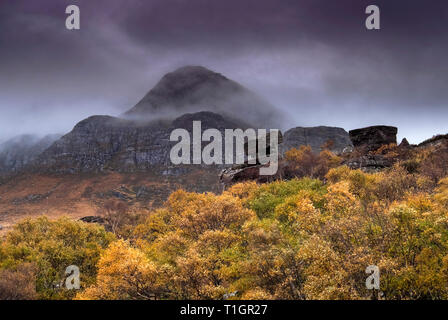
(277, 240)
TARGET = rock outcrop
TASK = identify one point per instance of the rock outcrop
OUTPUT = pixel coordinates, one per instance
(336, 139)
(316, 137)
(368, 140)
(435, 141)
(372, 138)
(370, 162)
(404, 143)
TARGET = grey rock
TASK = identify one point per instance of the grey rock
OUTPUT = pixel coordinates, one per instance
(139, 141)
(316, 137)
(102, 143)
(370, 163)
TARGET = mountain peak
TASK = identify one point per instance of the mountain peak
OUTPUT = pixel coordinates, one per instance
(192, 89)
(183, 85)
(195, 71)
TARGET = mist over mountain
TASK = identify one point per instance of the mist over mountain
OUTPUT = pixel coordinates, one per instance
(313, 59)
(139, 139)
(196, 88)
(22, 150)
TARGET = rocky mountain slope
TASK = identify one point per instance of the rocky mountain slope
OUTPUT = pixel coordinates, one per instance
(104, 143)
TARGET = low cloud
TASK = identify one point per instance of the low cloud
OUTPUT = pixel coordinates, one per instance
(313, 59)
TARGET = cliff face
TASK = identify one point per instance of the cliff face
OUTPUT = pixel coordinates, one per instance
(102, 143)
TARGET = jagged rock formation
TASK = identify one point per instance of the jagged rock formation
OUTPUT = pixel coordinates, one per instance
(102, 142)
(404, 143)
(316, 137)
(372, 138)
(22, 150)
(365, 140)
(194, 88)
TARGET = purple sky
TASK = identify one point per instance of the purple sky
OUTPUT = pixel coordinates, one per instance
(313, 59)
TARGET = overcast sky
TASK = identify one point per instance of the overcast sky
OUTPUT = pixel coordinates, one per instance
(313, 59)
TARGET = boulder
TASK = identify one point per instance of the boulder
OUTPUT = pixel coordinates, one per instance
(244, 172)
(336, 138)
(372, 138)
(93, 219)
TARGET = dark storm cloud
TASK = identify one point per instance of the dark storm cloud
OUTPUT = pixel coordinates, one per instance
(314, 59)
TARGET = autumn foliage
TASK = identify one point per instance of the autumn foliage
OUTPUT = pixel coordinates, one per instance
(310, 237)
